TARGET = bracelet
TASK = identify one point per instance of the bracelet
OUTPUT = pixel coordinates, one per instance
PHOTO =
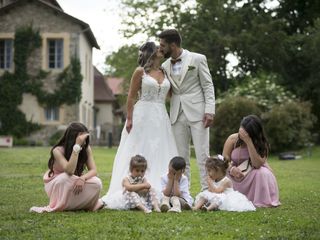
(76, 148)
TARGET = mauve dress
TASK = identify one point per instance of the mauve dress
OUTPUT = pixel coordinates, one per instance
(260, 185)
(59, 188)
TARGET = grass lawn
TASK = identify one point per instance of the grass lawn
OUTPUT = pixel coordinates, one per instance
(21, 187)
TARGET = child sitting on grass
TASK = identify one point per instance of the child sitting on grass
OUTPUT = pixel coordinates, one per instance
(220, 194)
(175, 187)
(137, 191)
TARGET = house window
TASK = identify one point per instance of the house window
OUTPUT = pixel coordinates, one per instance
(55, 53)
(6, 52)
(52, 114)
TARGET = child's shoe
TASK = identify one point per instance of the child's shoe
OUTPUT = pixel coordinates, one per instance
(176, 206)
(204, 208)
(165, 205)
(147, 211)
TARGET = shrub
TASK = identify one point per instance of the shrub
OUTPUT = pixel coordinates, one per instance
(289, 125)
(55, 137)
(20, 142)
(229, 114)
(264, 90)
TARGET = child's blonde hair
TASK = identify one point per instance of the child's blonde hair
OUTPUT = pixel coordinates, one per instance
(217, 163)
(138, 161)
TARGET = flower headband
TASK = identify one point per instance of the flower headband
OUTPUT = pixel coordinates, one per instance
(220, 157)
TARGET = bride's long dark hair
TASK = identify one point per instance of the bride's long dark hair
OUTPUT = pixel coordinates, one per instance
(67, 141)
(147, 53)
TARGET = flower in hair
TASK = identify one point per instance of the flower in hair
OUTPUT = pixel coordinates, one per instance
(220, 157)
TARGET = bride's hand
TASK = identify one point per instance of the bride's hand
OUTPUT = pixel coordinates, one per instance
(129, 125)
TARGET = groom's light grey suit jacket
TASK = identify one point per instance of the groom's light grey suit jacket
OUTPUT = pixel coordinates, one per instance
(194, 91)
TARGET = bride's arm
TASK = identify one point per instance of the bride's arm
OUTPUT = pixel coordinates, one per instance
(135, 85)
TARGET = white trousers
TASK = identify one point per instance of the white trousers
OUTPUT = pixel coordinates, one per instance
(183, 131)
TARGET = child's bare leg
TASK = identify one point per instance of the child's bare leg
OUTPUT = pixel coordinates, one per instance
(199, 204)
(154, 201)
(143, 208)
(155, 205)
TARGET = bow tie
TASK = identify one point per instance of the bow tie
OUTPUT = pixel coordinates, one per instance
(174, 61)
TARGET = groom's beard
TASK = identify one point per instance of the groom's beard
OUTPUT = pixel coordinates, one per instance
(167, 55)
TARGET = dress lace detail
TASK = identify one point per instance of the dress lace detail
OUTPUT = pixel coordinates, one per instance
(152, 91)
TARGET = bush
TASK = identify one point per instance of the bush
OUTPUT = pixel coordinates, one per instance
(55, 137)
(262, 89)
(289, 125)
(20, 142)
(229, 114)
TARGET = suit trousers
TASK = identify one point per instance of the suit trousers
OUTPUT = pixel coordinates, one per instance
(183, 131)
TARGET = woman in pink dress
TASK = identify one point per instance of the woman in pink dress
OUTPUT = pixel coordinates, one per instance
(66, 183)
(250, 143)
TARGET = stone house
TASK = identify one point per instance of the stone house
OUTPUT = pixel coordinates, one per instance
(63, 37)
(104, 106)
(119, 106)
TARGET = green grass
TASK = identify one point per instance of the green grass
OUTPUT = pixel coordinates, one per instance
(21, 187)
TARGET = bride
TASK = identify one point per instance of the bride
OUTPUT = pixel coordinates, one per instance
(148, 130)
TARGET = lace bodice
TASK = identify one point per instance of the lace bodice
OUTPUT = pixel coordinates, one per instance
(152, 91)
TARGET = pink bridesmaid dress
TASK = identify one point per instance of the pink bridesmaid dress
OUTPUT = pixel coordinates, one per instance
(59, 188)
(260, 185)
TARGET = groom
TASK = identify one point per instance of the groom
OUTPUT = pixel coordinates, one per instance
(192, 104)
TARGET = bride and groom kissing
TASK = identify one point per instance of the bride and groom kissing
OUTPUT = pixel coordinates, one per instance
(149, 131)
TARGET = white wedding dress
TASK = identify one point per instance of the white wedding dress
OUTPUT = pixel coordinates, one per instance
(151, 136)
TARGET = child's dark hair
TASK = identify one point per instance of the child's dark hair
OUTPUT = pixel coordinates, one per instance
(138, 161)
(217, 163)
(178, 163)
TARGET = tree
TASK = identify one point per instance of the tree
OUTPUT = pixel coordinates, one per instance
(283, 40)
(122, 63)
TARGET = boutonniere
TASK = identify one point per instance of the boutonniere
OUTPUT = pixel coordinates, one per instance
(191, 68)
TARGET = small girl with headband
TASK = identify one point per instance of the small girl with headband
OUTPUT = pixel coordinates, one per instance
(220, 194)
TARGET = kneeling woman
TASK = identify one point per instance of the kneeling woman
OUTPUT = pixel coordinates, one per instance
(66, 184)
(250, 143)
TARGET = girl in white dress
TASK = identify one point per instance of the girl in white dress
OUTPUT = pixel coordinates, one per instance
(220, 194)
(147, 131)
(138, 193)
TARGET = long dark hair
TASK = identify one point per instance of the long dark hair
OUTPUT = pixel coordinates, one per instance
(253, 126)
(147, 53)
(67, 141)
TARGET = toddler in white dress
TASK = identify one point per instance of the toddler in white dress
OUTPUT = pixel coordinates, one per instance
(220, 194)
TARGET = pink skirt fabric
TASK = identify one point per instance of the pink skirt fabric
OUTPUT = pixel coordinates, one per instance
(59, 189)
(260, 186)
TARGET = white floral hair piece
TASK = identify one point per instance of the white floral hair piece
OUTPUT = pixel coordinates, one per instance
(220, 157)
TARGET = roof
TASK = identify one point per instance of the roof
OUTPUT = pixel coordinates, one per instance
(102, 92)
(58, 10)
(115, 84)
